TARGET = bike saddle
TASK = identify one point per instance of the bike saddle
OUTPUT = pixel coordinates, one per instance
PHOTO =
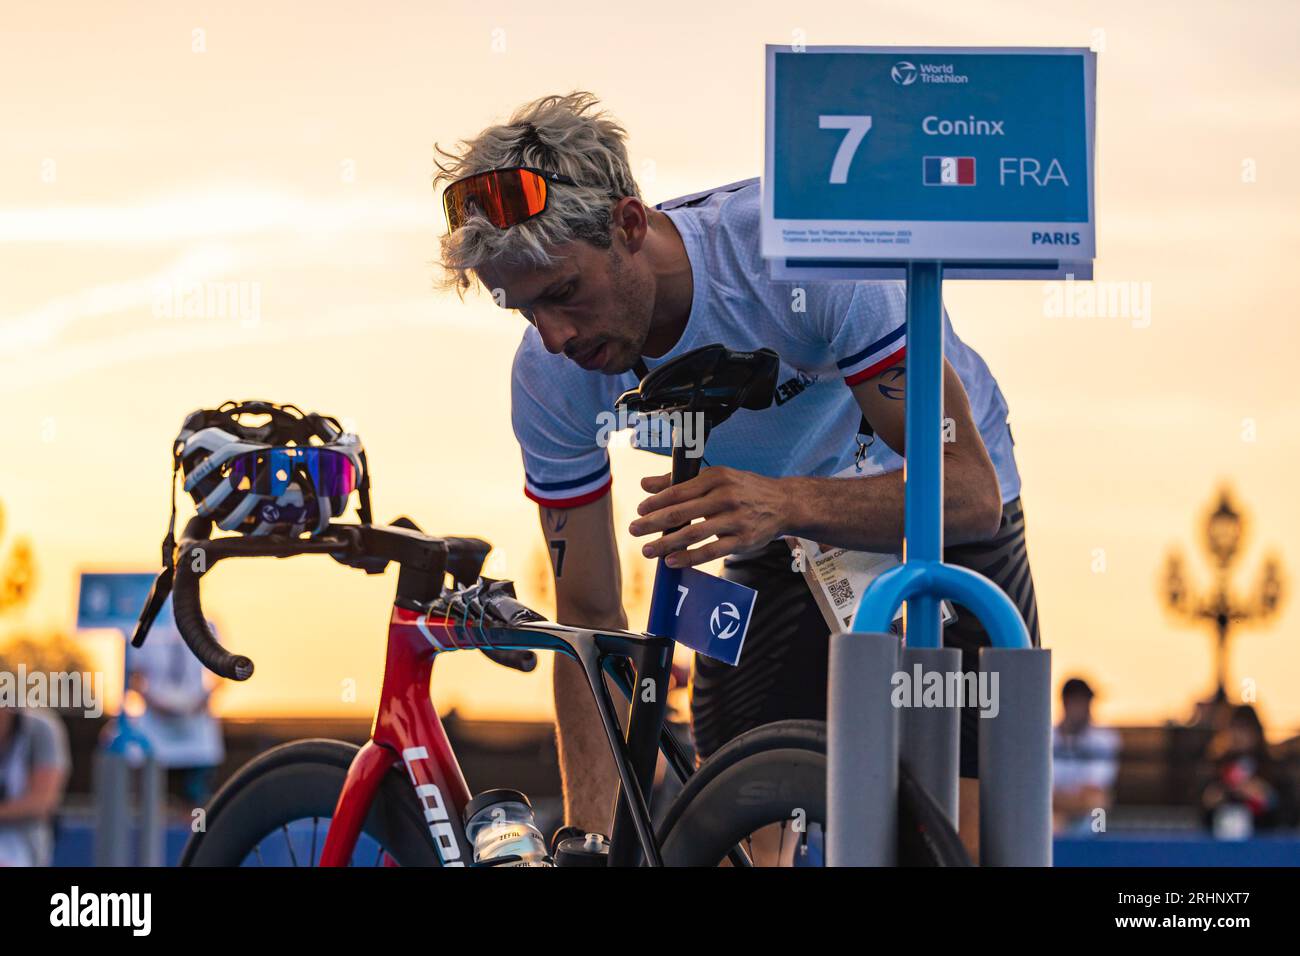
(712, 379)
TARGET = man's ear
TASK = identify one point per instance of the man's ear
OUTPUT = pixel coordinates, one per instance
(631, 220)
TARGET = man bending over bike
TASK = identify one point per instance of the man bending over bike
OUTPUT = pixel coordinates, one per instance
(543, 211)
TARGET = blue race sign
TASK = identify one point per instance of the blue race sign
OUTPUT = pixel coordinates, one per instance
(953, 154)
(708, 614)
(112, 600)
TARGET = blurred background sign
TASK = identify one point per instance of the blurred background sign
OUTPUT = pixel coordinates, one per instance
(111, 599)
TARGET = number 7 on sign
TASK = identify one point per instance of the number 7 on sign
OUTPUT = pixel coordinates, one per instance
(856, 127)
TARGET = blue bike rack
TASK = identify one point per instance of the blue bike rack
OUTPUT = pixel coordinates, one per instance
(866, 739)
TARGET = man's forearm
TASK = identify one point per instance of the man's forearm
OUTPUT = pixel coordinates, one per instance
(866, 514)
(579, 616)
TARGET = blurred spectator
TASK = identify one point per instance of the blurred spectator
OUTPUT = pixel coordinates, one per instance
(34, 766)
(1085, 761)
(176, 721)
(1249, 790)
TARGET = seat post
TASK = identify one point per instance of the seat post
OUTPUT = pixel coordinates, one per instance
(685, 468)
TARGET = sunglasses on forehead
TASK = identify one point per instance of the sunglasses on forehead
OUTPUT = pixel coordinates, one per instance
(506, 197)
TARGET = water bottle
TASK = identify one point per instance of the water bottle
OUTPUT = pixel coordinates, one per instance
(500, 825)
(589, 849)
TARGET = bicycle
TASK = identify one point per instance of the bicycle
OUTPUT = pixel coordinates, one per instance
(399, 798)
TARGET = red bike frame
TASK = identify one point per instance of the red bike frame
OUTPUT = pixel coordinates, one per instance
(408, 729)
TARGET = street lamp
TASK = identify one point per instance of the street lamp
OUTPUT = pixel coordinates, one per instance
(1224, 531)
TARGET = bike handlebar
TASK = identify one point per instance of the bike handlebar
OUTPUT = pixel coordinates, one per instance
(188, 608)
(195, 555)
(363, 546)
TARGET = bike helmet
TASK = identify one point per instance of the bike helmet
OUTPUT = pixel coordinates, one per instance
(260, 468)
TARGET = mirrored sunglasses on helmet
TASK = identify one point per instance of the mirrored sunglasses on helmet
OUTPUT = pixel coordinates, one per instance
(506, 197)
(270, 471)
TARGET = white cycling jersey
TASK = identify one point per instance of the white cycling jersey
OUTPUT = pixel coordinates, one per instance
(829, 335)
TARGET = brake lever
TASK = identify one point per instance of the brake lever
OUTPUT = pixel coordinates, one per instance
(158, 594)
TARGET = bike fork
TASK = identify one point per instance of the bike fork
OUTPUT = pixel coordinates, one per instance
(359, 788)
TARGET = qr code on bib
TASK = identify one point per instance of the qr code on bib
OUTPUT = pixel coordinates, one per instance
(841, 592)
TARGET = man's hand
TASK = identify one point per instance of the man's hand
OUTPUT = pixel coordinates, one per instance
(742, 509)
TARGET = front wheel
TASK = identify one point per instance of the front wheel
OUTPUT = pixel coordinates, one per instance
(765, 793)
(276, 810)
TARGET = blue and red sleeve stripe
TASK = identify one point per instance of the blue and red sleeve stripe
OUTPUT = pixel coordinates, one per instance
(571, 493)
(875, 358)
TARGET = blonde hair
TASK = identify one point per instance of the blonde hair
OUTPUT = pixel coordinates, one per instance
(567, 134)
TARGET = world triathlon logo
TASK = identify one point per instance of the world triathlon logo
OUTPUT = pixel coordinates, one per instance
(724, 622)
(903, 73)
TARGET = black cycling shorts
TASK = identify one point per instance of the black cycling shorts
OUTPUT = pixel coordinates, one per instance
(783, 669)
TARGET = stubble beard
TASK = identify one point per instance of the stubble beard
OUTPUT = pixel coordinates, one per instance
(637, 304)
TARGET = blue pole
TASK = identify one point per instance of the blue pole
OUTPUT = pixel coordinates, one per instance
(924, 579)
(923, 514)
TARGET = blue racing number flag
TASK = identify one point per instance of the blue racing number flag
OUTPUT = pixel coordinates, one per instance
(706, 613)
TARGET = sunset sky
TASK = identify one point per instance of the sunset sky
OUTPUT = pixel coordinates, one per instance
(288, 148)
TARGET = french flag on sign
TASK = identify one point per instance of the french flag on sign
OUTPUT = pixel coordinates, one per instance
(949, 171)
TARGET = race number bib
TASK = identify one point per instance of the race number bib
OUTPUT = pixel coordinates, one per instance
(839, 577)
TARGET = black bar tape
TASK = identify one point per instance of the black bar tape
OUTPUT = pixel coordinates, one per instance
(194, 626)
